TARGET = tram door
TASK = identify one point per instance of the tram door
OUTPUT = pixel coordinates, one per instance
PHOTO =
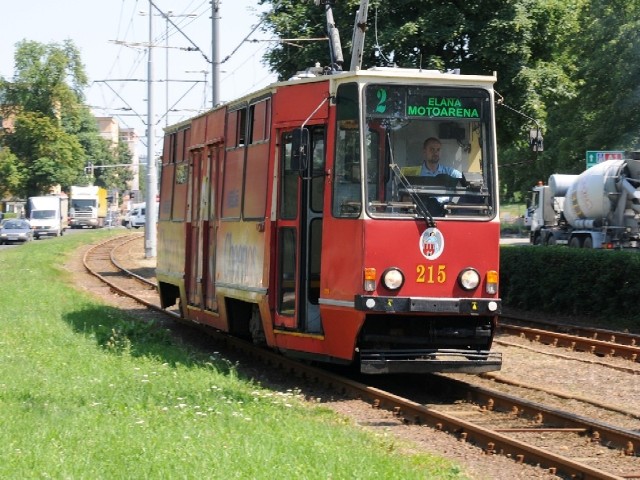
(199, 170)
(200, 268)
(300, 234)
(210, 213)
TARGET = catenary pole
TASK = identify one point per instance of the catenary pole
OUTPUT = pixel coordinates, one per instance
(152, 189)
(215, 52)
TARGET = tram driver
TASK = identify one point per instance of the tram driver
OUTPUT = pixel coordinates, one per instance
(431, 166)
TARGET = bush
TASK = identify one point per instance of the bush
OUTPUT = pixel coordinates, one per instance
(571, 281)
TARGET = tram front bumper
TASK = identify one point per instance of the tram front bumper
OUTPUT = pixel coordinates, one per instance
(470, 306)
(429, 361)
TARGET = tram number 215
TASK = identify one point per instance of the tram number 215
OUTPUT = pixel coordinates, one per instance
(431, 274)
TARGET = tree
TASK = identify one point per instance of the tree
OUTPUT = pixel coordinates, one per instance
(102, 153)
(524, 41)
(117, 177)
(48, 79)
(10, 176)
(47, 155)
(54, 133)
(604, 114)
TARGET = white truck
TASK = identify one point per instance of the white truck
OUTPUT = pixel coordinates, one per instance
(48, 215)
(599, 208)
(88, 207)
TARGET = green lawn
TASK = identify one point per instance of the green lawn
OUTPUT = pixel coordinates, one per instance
(88, 393)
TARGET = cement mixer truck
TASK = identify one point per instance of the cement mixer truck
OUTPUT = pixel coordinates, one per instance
(599, 208)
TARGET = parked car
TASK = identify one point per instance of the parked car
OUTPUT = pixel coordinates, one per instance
(137, 217)
(15, 230)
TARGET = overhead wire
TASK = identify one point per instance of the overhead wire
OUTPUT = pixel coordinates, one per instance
(126, 29)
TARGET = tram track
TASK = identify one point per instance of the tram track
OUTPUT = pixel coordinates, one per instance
(498, 423)
(600, 342)
(100, 261)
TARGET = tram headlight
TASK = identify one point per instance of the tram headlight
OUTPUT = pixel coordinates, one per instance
(469, 279)
(392, 278)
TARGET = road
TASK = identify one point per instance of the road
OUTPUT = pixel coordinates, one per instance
(68, 231)
(514, 241)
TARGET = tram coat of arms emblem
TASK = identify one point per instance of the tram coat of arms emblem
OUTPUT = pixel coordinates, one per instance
(431, 243)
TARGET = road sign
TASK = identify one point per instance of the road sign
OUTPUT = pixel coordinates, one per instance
(595, 157)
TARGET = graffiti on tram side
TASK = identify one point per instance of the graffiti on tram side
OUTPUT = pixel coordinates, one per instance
(241, 262)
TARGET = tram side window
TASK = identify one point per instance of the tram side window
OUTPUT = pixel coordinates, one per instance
(259, 114)
(347, 190)
(166, 190)
(236, 128)
(289, 185)
(256, 176)
(318, 166)
(181, 175)
(288, 274)
(291, 174)
(347, 197)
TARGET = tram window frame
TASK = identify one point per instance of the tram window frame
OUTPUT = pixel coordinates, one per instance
(464, 126)
(288, 208)
(256, 175)
(180, 158)
(167, 178)
(347, 185)
(287, 293)
(236, 127)
(259, 116)
(167, 182)
(318, 162)
(242, 128)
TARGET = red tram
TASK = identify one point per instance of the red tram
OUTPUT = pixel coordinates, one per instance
(297, 216)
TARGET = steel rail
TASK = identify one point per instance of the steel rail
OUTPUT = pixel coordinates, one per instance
(127, 271)
(113, 285)
(606, 335)
(573, 342)
(491, 441)
(627, 441)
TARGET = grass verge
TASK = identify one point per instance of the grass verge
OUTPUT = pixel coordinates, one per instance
(88, 392)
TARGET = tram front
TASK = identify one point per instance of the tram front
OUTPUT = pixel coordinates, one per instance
(415, 181)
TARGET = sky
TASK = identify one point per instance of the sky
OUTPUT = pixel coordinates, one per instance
(113, 35)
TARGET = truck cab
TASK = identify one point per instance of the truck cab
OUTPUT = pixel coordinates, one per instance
(48, 215)
(542, 211)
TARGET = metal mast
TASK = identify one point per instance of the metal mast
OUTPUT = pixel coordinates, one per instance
(152, 188)
(215, 52)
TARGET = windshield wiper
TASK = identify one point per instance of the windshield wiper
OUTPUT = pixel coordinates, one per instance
(420, 206)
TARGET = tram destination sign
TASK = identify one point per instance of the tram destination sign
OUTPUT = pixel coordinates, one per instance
(424, 102)
(594, 157)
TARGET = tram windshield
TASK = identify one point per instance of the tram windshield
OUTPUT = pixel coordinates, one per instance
(428, 151)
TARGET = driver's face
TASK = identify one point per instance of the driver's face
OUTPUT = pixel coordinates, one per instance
(432, 152)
